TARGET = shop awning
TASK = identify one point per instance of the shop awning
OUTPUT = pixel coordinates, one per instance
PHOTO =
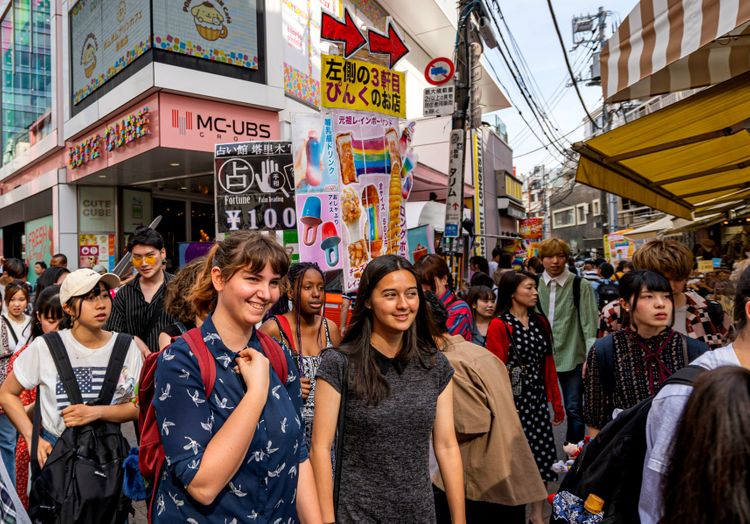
(657, 229)
(690, 157)
(665, 46)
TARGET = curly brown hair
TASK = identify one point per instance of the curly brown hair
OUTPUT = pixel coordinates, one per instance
(176, 301)
(248, 250)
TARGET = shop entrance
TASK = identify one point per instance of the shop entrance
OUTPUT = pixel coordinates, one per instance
(173, 227)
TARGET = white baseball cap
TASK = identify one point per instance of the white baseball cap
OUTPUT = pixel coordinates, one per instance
(81, 281)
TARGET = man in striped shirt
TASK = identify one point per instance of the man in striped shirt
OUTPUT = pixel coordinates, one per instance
(138, 307)
(434, 275)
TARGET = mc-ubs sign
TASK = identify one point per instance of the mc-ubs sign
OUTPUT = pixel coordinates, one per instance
(218, 126)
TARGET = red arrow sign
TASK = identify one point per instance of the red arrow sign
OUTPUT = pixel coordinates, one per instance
(391, 44)
(335, 30)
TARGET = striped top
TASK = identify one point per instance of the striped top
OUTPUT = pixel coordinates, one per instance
(131, 313)
(459, 315)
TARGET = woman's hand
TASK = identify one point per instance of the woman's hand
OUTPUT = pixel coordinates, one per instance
(254, 368)
(80, 415)
(42, 452)
(559, 416)
(304, 383)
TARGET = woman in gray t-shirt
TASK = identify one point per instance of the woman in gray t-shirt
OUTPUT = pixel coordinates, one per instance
(399, 394)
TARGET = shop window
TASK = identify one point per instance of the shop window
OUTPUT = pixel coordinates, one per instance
(565, 217)
(581, 211)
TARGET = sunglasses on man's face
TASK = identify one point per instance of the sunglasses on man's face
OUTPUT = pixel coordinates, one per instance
(149, 259)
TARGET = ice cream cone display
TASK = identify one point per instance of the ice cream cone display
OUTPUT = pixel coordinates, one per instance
(371, 203)
(209, 21)
(330, 243)
(346, 158)
(310, 220)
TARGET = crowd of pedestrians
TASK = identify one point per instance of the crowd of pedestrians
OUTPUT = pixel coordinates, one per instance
(428, 405)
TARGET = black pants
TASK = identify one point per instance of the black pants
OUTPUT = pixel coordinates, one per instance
(479, 512)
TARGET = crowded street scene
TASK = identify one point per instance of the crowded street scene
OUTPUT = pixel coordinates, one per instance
(375, 261)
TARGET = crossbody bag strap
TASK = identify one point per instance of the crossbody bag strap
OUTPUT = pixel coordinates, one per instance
(64, 369)
(114, 368)
(10, 329)
(36, 434)
(340, 435)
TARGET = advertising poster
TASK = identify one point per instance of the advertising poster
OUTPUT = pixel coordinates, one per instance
(96, 249)
(96, 209)
(102, 46)
(421, 242)
(319, 229)
(38, 247)
(136, 210)
(315, 164)
(254, 186)
(362, 86)
(217, 30)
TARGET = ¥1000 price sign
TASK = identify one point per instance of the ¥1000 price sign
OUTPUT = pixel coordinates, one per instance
(254, 184)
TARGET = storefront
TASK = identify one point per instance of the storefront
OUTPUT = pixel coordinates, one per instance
(155, 159)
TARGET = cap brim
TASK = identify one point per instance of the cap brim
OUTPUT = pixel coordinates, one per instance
(111, 280)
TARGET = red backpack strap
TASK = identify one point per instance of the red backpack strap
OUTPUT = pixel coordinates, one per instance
(286, 330)
(194, 339)
(275, 355)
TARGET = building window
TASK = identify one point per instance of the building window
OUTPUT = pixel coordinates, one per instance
(581, 211)
(564, 217)
(596, 207)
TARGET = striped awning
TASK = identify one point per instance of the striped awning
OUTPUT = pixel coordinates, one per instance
(690, 159)
(672, 45)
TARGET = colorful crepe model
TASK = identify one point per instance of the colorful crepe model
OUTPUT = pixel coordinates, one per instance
(311, 220)
(330, 243)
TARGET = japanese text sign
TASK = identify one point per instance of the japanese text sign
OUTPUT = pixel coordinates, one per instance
(254, 186)
(362, 86)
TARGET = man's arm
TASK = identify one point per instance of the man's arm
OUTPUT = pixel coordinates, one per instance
(589, 314)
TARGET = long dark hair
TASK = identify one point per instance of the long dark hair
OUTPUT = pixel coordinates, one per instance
(47, 304)
(509, 282)
(708, 474)
(633, 282)
(366, 382)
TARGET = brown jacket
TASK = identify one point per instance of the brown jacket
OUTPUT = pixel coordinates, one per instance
(498, 464)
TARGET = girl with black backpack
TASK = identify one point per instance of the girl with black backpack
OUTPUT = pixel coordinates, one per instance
(86, 379)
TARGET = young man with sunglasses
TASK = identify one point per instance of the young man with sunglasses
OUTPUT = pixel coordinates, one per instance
(138, 308)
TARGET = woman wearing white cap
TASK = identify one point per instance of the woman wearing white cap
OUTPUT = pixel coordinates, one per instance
(87, 305)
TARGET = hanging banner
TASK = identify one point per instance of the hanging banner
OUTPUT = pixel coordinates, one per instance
(362, 86)
(254, 186)
(454, 203)
(38, 245)
(477, 167)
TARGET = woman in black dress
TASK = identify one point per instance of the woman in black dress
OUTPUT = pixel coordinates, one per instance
(522, 339)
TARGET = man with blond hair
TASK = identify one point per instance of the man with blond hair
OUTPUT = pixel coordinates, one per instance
(571, 307)
(693, 315)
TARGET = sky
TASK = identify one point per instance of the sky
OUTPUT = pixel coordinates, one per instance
(531, 24)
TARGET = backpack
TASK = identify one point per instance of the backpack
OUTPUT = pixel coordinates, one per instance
(611, 464)
(151, 454)
(607, 292)
(83, 476)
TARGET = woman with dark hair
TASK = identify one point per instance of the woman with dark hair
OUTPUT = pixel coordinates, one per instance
(305, 331)
(630, 365)
(534, 265)
(14, 330)
(45, 318)
(397, 392)
(51, 276)
(522, 339)
(708, 473)
(481, 300)
(177, 302)
(664, 416)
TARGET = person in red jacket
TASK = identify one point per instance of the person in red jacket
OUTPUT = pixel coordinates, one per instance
(521, 338)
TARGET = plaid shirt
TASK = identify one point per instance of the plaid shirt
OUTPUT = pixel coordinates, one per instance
(698, 323)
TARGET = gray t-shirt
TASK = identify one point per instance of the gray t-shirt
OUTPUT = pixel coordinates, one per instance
(663, 417)
(385, 473)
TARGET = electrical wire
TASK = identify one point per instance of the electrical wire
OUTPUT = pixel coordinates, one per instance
(579, 126)
(567, 63)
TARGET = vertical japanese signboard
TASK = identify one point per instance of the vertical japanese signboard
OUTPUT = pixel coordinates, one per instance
(477, 165)
(454, 202)
(254, 186)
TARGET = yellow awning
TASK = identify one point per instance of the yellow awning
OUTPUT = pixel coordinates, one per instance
(692, 156)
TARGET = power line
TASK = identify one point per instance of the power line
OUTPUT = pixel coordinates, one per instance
(567, 63)
(543, 145)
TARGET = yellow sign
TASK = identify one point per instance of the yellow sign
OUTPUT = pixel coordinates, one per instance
(705, 266)
(362, 86)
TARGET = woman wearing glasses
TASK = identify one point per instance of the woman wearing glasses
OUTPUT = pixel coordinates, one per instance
(138, 307)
